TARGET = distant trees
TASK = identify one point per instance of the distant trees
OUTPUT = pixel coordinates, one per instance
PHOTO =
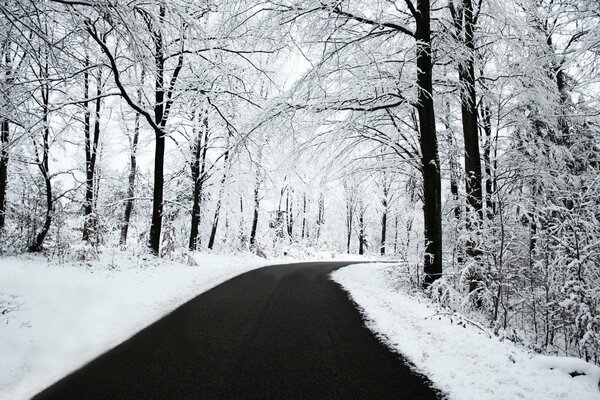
(291, 127)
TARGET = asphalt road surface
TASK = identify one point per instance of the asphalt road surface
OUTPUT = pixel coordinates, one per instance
(279, 332)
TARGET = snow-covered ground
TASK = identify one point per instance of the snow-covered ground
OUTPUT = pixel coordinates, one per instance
(461, 359)
(54, 318)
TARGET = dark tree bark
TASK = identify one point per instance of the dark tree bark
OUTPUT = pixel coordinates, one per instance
(163, 100)
(198, 177)
(349, 221)
(4, 137)
(464, 21)
(132, 172)
(432, 207)
(396, 233)
(4, 155)
(487, 161)
(304, 232)
(215, 223)
(361, 230)
(257, 184)
(289, 210)
(91, 140)
(320, 216)
(42, 163)
(453, 162)
(384, 217)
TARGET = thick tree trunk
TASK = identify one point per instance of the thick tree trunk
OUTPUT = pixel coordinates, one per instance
(157, 195)
(132, 173)
(159, 134)
(4, 137)
(198, 172)
(466, 72)
(38, 244)
(91, 151)
(432, 207)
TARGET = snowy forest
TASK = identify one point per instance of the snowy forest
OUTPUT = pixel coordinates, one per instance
(459, 138)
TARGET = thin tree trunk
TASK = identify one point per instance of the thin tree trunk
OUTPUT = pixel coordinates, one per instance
(349, 218)
(384, 216)
(487, 161)
(304, 233)
(361, 231)
(320, 215)
(213, 230)
(432, 207)
(396, 233)
(289, 211)
(257, 183)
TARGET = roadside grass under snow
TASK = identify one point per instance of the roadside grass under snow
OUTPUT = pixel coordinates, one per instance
(461, 359)
(55, 318)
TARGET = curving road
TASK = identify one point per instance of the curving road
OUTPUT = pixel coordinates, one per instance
(279, 332)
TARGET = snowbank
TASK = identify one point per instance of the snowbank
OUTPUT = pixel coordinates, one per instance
(58, 317)
(460, 358)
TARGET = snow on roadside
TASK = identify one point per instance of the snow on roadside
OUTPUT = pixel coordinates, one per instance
(63, 316)
(461, 360)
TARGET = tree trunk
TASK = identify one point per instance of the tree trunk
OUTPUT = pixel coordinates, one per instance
(257, 183)
(361, 231)
(320, 216)
(38, 244)
(384, 203)
(487, 161)
(157, 195)
(396, 233)
(289, 209)
(132, 173)
(91, 140)
(4, 136)
(304, 233)
(466, 72)
(349, 218)
(432, 207)
(198, 172)
(213, 230)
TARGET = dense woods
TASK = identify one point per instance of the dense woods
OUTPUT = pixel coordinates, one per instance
(460, 137)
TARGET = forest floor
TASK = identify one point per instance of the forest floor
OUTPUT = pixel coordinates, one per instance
(458, 355)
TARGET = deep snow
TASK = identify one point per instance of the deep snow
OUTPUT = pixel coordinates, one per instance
(461, 359)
